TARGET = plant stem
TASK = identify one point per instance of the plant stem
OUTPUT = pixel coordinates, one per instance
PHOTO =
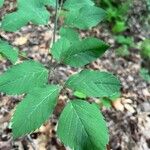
(56, 20)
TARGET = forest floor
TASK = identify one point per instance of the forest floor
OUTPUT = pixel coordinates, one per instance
(128, 120)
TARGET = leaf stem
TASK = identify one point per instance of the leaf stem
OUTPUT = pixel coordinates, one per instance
(56, 21)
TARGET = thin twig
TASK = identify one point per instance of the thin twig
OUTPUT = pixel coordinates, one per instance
(56, 20)
(57, 11)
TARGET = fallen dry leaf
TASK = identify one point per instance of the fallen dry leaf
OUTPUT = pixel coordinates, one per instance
(21, 40)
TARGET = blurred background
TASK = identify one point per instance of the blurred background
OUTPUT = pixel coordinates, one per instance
(127, 31)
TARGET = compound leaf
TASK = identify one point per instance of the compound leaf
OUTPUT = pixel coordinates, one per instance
(82, 127)
(22, 78)
(34, 110)
(94, 83)
(8, 51)
(83, 52)
(28, 11)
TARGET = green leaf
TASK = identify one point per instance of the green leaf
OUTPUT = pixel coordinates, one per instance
(79, 95)
(73, 51)
(28, 11)
(77, 4)
(144, 73)
(8, 51)
(115, 96)
(68, 37)
(119, 26)
(122, 51)
(120, 39)
(85, 17)
(82, 127)
(59, 47)
(83, 52)
(94, 83)
(69, 34)
(50, 2)
(1, 3)
(106, 102)
(145, 49)
(34, 110)
(22, 78)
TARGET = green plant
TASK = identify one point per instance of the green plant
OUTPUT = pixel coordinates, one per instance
(145, 49)
(145, 74)
(145, 54)
(8, 51)
(81, 125)
(1, 3)
(107, 101)
(117, 13)
(124, 43)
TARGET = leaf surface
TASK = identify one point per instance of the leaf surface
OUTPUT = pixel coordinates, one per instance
(83, 14)
(28, 11)
(34, 110)
(77, 4)
(94, 83)
(83, 52)
(23, 77)
(69, 34)
(68, 37)
(82, 127)
(8, 51)
(1, 3)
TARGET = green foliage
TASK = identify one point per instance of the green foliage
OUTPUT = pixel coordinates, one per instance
(124, 45)
(70, 50)
(85, 125)
(77, 4)
(122, 51)
(34, 110)
(148, 4)
(49, 2)
(69, 34)
(81, 125)
(77, 10)
(79, 95)
(115, 96)
(1, 3)
(122, 40)
(145, 74)
(145, 49)
(94, 83)
(8, 51)
(83, 52)
(22, 78)
(117, 13)
(68, 37)
(92, 15)
(119, 26)
(106, 102)
(28, 11)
